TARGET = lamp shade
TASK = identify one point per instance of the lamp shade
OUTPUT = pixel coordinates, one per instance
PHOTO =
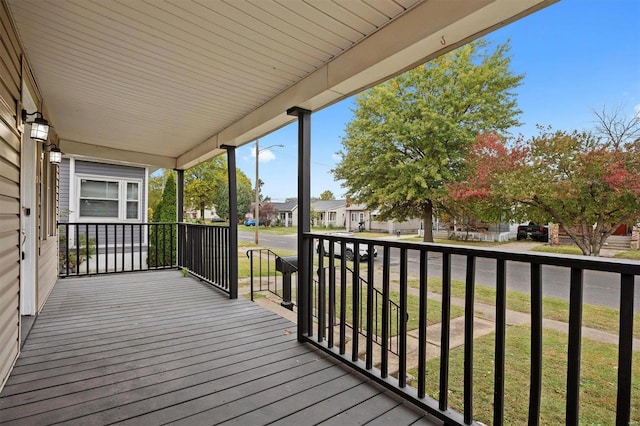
(55, 156)
(40, 129)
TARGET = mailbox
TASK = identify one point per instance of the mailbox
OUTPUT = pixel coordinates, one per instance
(287, 265)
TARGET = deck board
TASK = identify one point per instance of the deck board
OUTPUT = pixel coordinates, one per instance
(155, 348)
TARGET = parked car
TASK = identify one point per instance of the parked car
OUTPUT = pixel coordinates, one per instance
(363, 249)
(252, 222)
(534, 231)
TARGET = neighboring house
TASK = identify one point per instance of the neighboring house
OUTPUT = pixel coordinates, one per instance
(329, 213)
(210, 215)
(359, 217)
(286, 214)
(93, 193)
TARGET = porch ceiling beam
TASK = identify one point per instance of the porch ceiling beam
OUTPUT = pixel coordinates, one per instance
(431, 29)
(96, 151)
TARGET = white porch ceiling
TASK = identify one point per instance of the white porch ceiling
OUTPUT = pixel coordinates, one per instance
(167, 82)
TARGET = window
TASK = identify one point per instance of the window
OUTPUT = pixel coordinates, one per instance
(113, 198)
(332, 216)
(132, 200)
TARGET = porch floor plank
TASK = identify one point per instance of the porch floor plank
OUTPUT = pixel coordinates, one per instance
(155, 348)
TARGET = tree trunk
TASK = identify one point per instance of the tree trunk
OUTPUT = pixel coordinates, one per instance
(427, 219)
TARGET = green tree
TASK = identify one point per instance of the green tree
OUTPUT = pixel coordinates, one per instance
(587, 182)
(409, 136)
(155, 188)
(244, 196)
(327, 195)
(162, 238)
(202, 183)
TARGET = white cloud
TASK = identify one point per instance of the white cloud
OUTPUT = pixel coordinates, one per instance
(265, 156)
(637, 110)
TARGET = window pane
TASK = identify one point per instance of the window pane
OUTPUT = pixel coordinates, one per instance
(99, 208)
(98, 189)
(132, 191)
(132, 209)
(112, 190)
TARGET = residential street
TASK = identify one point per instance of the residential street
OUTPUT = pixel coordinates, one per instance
(600, 288)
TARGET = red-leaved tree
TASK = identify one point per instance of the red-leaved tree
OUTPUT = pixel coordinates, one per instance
(587, 182)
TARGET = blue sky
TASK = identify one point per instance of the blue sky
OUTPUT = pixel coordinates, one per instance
(577, 56)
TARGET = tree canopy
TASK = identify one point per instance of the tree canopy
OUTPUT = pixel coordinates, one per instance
(587, 182)
(245, 195)
(409, 136)
(202, 183)
(327, 195)
(162, 245)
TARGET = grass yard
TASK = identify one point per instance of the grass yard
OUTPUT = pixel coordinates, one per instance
(244, 264)
(629, 254)
(561, 249)
(598, 317)
(434, 311)
(598, 379)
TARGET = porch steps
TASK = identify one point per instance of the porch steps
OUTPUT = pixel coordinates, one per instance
(618, 242)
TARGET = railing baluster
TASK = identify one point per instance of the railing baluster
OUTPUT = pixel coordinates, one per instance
(97, 249)
(535, 388)
(386, 314)
(320, 297)
(355, 302)
(106, 249)
(574, 348)
(332, 295)
(403, 318)
(124, 233)
(422, 325)
(443, 394)
(140, 267)
(469, 298)
(343, 299)
(625, 350)
(501, 321)
(371, 310)
(86, 230)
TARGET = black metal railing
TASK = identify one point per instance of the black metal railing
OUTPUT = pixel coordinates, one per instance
(263, 275)
(392, 319)
(405, 263)
(204, 253)
(103, 248)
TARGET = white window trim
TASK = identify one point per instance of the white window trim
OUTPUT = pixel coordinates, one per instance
(122, 199)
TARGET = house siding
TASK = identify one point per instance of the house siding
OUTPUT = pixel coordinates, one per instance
(10, 150)
(64, 177)
(117, 171)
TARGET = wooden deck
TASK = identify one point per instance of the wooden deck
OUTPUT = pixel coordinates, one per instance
(155, 348)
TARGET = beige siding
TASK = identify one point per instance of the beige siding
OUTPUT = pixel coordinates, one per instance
(47, 270)
(9, 196)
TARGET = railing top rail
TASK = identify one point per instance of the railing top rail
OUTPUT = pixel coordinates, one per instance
(140, 223)
(121, 223)
(621, 266)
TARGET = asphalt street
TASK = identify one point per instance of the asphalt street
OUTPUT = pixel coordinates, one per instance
(600, 288)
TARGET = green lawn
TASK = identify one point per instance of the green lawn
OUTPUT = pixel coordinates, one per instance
(244, 264)
(598, 379)
(434, 311)
(598, 317)
(629, 254)
(561, 249)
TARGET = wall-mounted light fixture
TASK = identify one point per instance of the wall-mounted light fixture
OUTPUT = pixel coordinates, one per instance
(55, 155)
(39, 126)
